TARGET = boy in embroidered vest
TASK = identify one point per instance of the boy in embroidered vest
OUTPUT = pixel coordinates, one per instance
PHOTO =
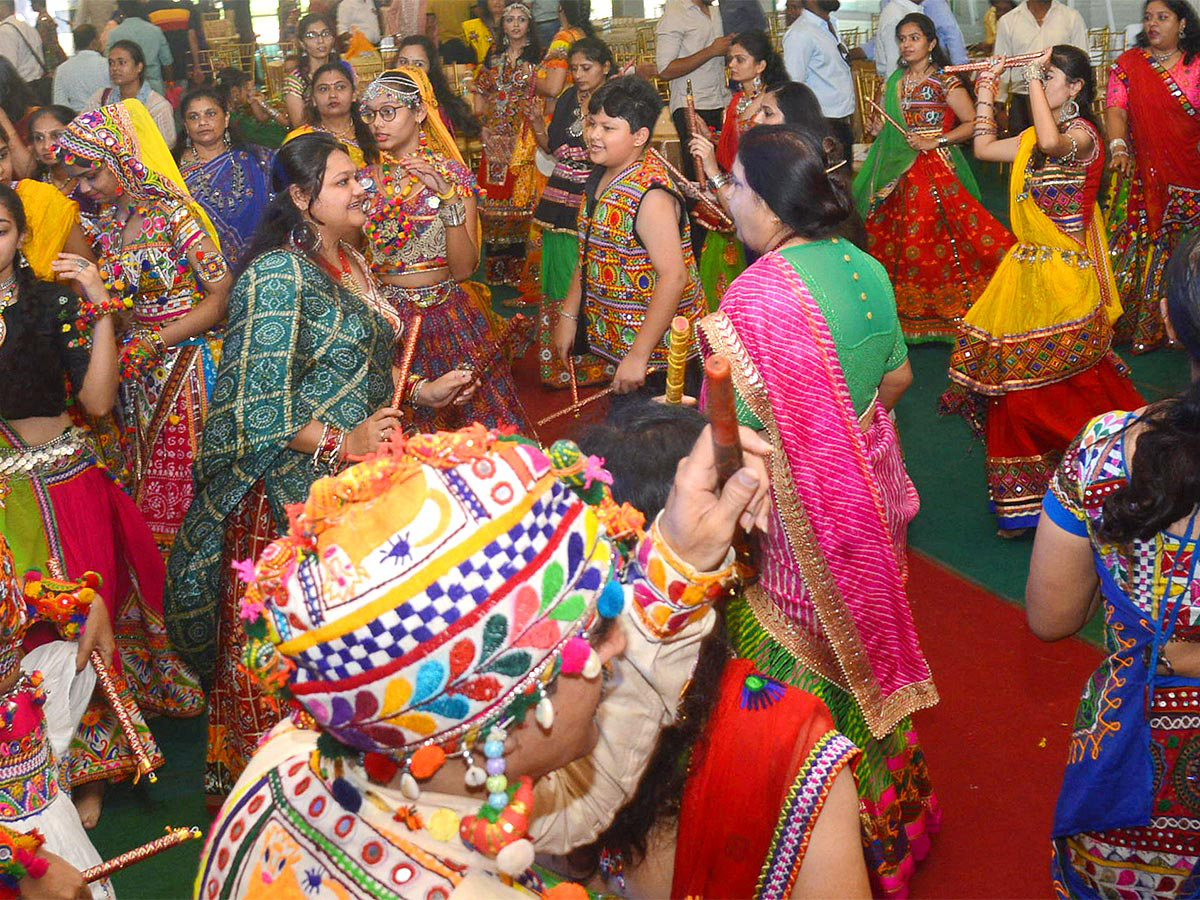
(636, 267)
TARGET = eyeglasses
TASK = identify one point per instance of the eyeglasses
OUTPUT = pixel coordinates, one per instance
(314, 35)
(387, 113)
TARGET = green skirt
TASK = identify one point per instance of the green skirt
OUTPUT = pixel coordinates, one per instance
(722, 260)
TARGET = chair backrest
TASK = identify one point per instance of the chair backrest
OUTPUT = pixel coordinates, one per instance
(218, 29)
(367, 67)
(232, 53)
(867, 85)
(273, 73)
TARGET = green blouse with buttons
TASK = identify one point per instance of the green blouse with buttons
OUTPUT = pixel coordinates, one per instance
(854, 295)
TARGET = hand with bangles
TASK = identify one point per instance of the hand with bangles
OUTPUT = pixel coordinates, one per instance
(455, 387)
(141, 351)
(424, 171)
(368, 435)
(1119, 158)
(699, 145)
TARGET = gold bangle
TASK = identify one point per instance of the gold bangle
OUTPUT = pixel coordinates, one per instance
(450, 194)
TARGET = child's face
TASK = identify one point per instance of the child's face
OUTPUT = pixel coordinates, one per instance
(610, 142)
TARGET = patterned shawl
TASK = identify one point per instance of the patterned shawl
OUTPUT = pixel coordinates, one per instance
(296, 349)
(124, 137)
(830, 537)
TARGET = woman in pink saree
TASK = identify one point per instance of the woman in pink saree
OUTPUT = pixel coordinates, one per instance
(818, 361)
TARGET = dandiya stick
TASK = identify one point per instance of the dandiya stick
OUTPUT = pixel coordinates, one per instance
(574, 381)
(108, 685)
(722, 414)
(406, 358)
(489, 354)
(575, 407)
(693, 120)
(677, 353)
(1010, 62)
(695, 192)
(883, 112)
(173, 837)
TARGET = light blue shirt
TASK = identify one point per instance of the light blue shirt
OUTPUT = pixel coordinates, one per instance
(76, 79)
(811, 54)
(884, 49)
(153, 43)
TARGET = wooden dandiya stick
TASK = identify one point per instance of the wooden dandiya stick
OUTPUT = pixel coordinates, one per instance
(406, 358)
(575, 407)
(693, 120)
(678, 346)
(722, 414)
(695, 192)
(574, 381)
(883, 112)
(488, 355)
(1010, 62)
(173, 837)
(108, 685)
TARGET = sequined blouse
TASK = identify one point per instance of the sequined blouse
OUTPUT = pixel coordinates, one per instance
(395, 203)
(153, 268)
(1065, 189)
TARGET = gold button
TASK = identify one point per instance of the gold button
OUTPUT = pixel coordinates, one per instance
(856, 276)
(869, 316)
(862, 296)
(846, 257)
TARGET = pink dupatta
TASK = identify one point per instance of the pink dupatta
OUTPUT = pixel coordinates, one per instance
(833, 571)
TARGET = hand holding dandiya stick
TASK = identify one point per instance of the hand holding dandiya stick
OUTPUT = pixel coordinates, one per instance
(173, 837)
(678, 347)
(883, 112)
(108, 685)
(487, 356)
(406, 359)
(722, 415)
(1010, 62)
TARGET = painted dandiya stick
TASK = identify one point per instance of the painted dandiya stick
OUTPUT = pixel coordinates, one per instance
(108, 685)
(1010, 62)
(883, 112)
(406, 359)
(722, 414)
(689, 189)
(693, 122)
(678, 348)
(172, 838)
(574, 381)
(492, 352)
(576, 407)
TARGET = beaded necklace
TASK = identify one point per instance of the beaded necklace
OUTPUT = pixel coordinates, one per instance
(389, 226)
(909, 86)
(220, 199)
(343, 276)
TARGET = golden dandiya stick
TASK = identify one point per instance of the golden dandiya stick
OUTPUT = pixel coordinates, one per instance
(488, 355)
(575, 407)
(693, 121)
(678, 346)
(695, 192)
(173, 837)
(108, 685)
(1010, 62)
(406, 359)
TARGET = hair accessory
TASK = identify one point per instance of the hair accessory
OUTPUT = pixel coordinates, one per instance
(837, 165)
(517, 7)
(397, 85)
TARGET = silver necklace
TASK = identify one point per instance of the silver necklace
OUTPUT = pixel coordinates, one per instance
(1162, 60)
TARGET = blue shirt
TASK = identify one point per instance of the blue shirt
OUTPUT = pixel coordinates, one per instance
(814, 56)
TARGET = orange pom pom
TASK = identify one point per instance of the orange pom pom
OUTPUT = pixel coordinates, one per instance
(426, 761)
(567, 890)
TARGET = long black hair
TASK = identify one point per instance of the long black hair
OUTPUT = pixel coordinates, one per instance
(530, 53)
(218, 96)
(363, 135)
(1164, 478)
(26, 282)
(16, 97)
(641, 446)
(578, 14)
(758, 45)
(461, 116)
(937, 55)
(1189, 27)
(1075, 64)
(787, 167)
(300, 162)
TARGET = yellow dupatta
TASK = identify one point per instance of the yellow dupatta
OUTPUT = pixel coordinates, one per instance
(50, 217)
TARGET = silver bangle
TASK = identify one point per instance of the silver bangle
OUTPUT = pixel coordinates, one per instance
(453, 214)
(1034, 72)
(718, 181)
(571, 316)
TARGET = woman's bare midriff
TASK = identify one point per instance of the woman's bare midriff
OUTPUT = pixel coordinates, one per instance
(41, 429)
(418, 279)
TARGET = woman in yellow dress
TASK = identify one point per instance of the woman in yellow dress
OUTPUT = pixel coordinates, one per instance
(332, 108)
(482, 32)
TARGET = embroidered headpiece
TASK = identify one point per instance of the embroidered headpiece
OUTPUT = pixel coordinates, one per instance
(397, 85)
(517, 7)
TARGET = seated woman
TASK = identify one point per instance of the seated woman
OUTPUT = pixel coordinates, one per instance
(1120, 531)
(333, 109)
(229, 180)
(705, 829)
(480, 723)
(127, 72)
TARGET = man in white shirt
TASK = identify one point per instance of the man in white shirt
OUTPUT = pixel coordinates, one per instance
(78, 78)
(19, 43)
(360, 14)
(1033, 26)
(815, 55)
(691, 46)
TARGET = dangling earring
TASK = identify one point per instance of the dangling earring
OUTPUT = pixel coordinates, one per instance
(228, 142)
(1068, 111)
(305, 238)
(757, 84)
(22, 259)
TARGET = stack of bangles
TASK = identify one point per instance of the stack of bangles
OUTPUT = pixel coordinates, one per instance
(330, 450)
(144, 347)
(415, 382)
(1118, 147)
(90, 312)
(452, 210)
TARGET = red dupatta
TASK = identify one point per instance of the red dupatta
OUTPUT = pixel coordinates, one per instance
(727, 143)
(1165, 128)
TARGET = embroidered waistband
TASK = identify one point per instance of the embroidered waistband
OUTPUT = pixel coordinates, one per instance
(64, 451)
(1025, 252)
(426, 297)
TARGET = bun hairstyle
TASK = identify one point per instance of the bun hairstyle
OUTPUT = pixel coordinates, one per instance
(787, 166)
(1164, 484)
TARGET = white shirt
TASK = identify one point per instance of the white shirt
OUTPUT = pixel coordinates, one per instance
(684, 29)
(887, 50)
(1018, 32)
(16, 38)
(78, 78)
(358, 14)
(811, 55)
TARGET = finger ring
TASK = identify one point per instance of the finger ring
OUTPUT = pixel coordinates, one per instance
(82, 264)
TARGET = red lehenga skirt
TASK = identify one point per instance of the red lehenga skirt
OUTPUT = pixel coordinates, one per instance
(939, 245)
(63, 514)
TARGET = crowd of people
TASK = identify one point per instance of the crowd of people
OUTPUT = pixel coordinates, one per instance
(263, 455)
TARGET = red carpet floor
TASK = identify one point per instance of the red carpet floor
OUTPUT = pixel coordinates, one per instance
(996, 744)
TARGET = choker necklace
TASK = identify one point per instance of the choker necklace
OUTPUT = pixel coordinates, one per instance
(1161, 60)
(8, 296)
(779, 243)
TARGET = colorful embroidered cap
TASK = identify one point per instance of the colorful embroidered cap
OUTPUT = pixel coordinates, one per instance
(429, 593)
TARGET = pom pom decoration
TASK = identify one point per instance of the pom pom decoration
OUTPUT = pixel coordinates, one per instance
(426, 761)
(515, 858)
(380, 769)
(65, 604)
(346, 795)
(611, 601)
(574, 655)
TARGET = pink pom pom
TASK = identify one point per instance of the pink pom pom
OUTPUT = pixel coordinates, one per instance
(574, 655)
